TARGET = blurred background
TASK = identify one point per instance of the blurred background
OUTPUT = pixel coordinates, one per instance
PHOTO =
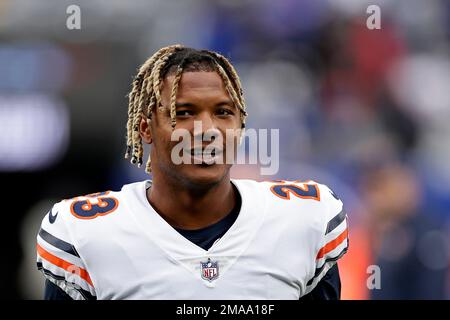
(363, 111)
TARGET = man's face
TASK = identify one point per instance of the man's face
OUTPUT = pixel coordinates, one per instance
(203, 98)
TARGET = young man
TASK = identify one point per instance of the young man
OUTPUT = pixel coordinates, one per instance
(192, 232)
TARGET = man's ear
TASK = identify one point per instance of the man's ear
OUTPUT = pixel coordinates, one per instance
(145, 130)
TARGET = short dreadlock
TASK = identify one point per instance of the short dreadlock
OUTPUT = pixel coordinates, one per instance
(145, 94)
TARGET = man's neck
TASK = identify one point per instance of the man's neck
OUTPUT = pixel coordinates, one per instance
(186, 209)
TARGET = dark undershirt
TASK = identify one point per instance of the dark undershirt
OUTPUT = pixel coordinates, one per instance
(205, 237)
(328, 288)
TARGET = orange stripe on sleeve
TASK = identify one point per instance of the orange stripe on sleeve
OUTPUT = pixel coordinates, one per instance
(330, 246)
(63, 263)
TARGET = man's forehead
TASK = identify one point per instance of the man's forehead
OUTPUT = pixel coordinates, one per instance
(198, 80)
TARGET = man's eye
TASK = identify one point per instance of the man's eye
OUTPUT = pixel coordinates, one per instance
(183, 113)
(225, 112)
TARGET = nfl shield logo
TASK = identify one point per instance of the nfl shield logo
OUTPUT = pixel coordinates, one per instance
(209, 270)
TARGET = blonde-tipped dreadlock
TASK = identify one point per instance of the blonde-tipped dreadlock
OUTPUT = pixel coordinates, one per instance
(145, 94)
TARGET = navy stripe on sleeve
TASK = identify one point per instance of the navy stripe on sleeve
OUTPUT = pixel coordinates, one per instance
(50, 288)
(328, 288)
(336, 221)
(319, 270)
(58, 243)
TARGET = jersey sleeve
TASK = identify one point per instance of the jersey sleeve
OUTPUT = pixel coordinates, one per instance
(334, 240)
(58, 259)
(328, 288)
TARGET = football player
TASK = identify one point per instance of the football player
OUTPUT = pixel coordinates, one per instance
(192, 232)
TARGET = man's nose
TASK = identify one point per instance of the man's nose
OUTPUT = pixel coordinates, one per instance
(207, 122)
(205, 128)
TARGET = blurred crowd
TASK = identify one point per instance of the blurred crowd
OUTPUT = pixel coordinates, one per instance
(363, 111)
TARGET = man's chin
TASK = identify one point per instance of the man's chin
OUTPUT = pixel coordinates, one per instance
(204, 175)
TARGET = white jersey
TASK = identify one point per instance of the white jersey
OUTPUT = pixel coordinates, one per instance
(114, 245)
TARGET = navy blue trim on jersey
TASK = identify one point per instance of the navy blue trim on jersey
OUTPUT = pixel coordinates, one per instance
(336, 221)
(319, 270)
(58, 243)
(328, 288)
(54, 292)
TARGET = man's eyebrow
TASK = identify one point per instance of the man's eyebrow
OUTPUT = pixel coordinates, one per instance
(184, 104)
(225, 102)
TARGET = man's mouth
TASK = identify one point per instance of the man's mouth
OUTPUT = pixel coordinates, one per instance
(203, 152)
(205, 155)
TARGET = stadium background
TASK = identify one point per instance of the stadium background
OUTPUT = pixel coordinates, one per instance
(364, 111)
